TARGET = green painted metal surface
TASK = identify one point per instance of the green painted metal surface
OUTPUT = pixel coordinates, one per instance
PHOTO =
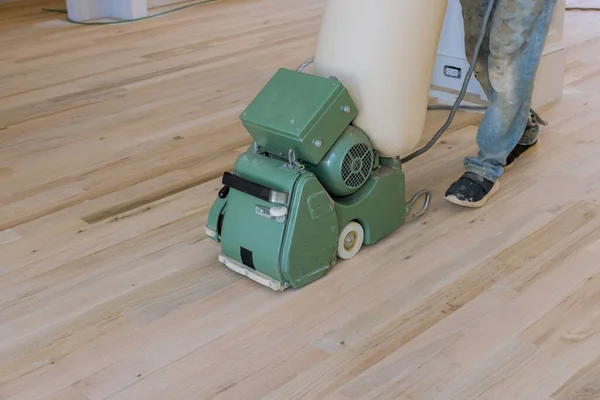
(379, 206)
(245, 227)
(302, 248)
(311, 235)
(296, 250)
(348, 164)
(302, 112)
(215, 217)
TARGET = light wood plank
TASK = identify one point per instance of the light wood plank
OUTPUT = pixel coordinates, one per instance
(112, 141)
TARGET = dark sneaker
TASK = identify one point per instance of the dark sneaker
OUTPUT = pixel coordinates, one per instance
(517, 152)
(531, 132)
(471, 190)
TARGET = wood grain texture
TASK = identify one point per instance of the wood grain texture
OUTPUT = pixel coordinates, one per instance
(112, 141)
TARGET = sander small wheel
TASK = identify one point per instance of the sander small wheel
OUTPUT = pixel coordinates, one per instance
(350, 241)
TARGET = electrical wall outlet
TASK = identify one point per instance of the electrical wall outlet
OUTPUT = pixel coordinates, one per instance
(452, 71)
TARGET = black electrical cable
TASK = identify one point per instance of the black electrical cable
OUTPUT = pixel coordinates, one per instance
(463, 91)
(461, 107)
(582, 8)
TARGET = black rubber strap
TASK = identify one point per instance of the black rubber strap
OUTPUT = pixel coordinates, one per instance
(246, 186)
(479, 180)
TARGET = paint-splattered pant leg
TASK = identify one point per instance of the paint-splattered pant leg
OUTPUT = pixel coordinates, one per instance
(506, 69)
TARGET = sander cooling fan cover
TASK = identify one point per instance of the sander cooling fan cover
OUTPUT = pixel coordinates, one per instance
(348, 164)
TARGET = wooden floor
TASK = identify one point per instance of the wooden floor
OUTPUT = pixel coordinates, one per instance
(112, 140)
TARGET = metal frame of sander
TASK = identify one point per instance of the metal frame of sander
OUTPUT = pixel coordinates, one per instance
(310, 190)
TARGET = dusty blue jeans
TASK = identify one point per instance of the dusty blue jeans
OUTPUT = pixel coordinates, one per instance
(506, 69)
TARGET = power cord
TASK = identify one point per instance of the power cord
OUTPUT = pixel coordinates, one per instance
(62, 11)
(582, 8)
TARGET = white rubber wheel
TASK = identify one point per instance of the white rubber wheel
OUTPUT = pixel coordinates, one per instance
(350, 241)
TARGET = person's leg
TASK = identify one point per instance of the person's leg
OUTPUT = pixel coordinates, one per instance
(473, 13)
(517, 39)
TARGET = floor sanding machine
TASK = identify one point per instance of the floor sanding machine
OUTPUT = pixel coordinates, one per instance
(324, 176)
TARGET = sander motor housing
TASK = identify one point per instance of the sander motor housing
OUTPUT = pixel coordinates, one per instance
(310, 189)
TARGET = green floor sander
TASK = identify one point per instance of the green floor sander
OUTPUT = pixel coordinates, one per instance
(311, 188)
(314, 188)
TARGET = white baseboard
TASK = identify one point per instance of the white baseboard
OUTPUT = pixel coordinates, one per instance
(162, 3)
(90, 10)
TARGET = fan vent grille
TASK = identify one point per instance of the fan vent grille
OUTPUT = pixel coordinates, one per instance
(357, 165)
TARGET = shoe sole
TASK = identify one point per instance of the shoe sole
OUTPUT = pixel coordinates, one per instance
(532, 150)
(477, 204)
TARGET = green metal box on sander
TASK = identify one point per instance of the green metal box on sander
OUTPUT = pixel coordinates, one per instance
(299, 112)
(310, 190)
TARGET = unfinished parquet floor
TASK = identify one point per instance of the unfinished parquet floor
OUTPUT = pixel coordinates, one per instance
(112, 140)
